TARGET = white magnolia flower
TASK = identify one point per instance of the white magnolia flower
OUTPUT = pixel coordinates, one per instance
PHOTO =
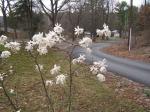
(78, 31)
(5, 54)
(80, 59)
(55, 70)
(42, 42)
(1, 76)
(85, 42)
(101, 77)
(58, 29)
(100, 63)
(105, 26)
(36, 38)
(103, 69)
(11, 70)
(3, 39)
(37, 67)
(12, 91)
(30, 45)
(54, 38)
(106, 32)
(99, 67)
(49, 82)
(14, 46)
(100, 32)
(18, 110)
(42, 50)
(74, 61)
(52, 35)
(61, 79)
(94, 70)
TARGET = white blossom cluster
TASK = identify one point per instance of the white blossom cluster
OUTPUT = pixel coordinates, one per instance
(11, 70)
(55, 71)
(105, 31)
(99, 67)
(2, 75)
(58, 29)
(12, 91)
(80, 59)
(3, 39)
(60, 78)
(18, 110)
(5, 54)
(39, 66)
(78, 31)
(43, 43)
(13, 46)
(86, 41)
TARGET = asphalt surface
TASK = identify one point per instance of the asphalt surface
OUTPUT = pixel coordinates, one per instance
(133, 70)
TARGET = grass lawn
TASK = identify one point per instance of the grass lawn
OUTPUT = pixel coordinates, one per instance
(89, 95)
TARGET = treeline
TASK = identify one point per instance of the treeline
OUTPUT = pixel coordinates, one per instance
(34, 16)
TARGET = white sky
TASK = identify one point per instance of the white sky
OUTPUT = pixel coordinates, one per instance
(135, 2)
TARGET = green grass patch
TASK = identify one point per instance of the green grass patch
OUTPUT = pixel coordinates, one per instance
(89, 95)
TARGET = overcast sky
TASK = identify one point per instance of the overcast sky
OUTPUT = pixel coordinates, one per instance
(135, 2)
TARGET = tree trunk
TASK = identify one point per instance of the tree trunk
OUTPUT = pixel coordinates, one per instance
(5, 21)
(107, 16)
(15, 35)
(145, 2)
(131, 19)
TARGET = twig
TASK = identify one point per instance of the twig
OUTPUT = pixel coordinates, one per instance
(8, 97)
(43, 82)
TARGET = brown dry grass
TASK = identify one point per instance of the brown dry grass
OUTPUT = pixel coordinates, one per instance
(137, 53)
(89, 95)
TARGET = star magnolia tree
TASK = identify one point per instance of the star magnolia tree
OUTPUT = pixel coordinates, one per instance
(105, 31)
(39, 45)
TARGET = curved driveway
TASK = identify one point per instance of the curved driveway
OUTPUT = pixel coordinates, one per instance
(134, 70)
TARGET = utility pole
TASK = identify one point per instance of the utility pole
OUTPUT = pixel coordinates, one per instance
(130, 25)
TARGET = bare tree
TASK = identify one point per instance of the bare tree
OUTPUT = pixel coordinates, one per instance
(3, 7)
(108, 10)
(13, 20)
(145, 2)
(55, 6)
(75, 14)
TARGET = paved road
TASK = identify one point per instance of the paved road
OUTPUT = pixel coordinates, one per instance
(134, 70)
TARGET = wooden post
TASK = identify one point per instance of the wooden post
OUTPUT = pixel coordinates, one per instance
(130, 39)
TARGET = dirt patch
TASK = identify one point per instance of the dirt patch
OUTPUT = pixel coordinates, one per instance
(125, 88)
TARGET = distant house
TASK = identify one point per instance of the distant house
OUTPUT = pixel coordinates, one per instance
(87, 34)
